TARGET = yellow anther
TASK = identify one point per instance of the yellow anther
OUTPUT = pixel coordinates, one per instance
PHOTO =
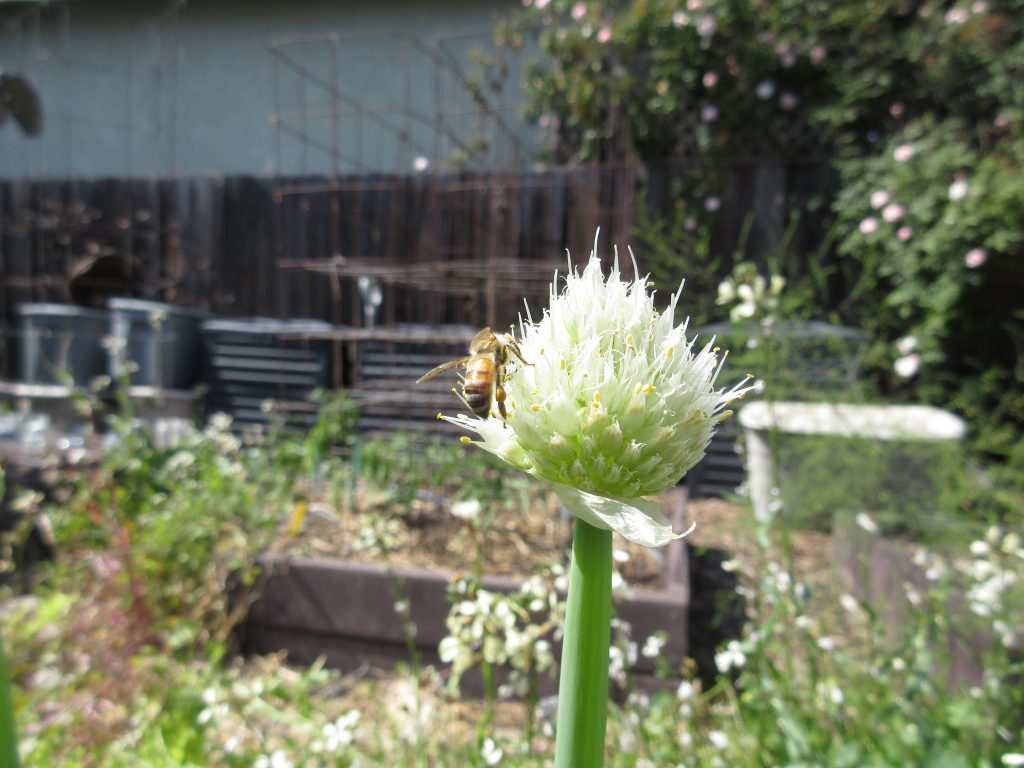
(669, 351)
(535, 407)
(726, 414)
(561, 363)
(534, 391)
(597, 396)
(465, 440)
(629, 339)
(716, 349)
(648, 389)
(440, 416)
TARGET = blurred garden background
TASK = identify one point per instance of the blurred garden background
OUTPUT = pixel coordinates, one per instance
(231, 239)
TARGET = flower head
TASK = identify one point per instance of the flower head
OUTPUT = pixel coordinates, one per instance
(614, 402)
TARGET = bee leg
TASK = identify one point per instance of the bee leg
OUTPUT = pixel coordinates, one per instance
(499, 398)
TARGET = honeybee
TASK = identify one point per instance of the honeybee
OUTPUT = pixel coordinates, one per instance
(485, 371)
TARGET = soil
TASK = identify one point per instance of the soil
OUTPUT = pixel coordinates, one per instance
(426, 535)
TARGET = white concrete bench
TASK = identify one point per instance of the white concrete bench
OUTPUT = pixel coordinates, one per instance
(879, 422)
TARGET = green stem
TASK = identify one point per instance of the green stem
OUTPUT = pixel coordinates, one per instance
(8, 735)
(484, 728)
(583, 685)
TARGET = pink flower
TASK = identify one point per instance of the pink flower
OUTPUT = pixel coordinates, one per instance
(710, 79)
(604, 35)
(765, 89)
(579, 11)
(896, 108)
(879, 198)
(709, 114)
(712, 204)
(906, 344)
(689, 224)
(903, 152)
(868, 226)
(904, 233)
(788, 100)
(680, 19)
(707, 26)
(540, 5)
(956, 16)
(975, 258)
(818, 54)
(893, 212)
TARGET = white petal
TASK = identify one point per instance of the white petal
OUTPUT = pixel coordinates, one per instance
(637, 520)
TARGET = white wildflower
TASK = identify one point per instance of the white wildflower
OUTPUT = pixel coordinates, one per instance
(491, 752)
(277, 759)
(732, 657)
(341, 732)
(467, 510)
(653, 645)
(850, 603)
(718, 739)
(866, 522)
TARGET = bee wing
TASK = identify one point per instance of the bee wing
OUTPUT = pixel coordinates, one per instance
(441, 369)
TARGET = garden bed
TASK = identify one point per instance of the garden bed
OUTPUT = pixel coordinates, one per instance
(330, 589)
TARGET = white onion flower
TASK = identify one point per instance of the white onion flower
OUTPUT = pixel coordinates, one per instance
(615, 402)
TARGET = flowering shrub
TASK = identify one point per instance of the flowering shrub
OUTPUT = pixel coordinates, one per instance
(932, 225)
(917, 105)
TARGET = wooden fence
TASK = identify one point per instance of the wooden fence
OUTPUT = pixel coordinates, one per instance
(220, 244)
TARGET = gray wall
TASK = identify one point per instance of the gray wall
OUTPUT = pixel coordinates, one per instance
(145, 88)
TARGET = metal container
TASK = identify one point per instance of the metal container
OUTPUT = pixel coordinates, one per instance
(163, 342)
(61, 344)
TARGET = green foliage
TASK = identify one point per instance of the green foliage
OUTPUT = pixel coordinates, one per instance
(406, 464)
(826, 679)
(174, 524)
